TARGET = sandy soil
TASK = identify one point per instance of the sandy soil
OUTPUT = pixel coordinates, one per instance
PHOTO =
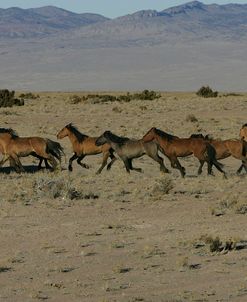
(138, 237)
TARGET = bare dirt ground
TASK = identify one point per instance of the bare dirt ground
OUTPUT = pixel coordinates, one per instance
(118, 237)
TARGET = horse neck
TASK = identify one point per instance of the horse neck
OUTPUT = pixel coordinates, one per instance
(5, 139)
(115, 146)
(161, 140)
(147, 138)
(73, 139)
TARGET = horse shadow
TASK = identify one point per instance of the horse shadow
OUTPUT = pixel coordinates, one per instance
(30, 169)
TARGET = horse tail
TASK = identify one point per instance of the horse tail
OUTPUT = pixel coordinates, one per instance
(244, 147)
(211, 153)
(55, 149)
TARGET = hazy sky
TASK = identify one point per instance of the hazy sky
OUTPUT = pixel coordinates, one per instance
(108, 8)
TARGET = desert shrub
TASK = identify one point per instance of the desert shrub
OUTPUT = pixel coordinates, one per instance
(147, 95)
(7, 99)
(191, 118)
(29, 96)
(75, 99)
(105, 98)
(216, 245)
(59, 188)
(207, 92)
(162, 186)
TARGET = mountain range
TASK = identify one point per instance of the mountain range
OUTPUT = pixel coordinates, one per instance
(193, 20)
(177, 48)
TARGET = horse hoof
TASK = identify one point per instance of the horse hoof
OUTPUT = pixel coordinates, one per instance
(70, 169)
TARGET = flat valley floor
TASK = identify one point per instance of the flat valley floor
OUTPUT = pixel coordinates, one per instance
(116, 237)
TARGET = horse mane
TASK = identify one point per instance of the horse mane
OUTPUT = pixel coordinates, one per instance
(121, 140)
(80, 136)
(200, 135)
(197, 135)
(165, 135)
(10, 131)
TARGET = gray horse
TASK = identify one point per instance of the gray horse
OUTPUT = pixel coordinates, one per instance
(128, 149)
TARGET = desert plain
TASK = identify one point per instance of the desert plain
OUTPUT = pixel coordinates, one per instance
(78, 236)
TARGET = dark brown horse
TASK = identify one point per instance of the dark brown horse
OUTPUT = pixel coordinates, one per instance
(128, 149)
(83, 145)
(174, 147)
(12, 147)
(226, 148)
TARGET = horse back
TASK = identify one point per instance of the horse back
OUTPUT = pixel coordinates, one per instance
(88, 146)
(27, 145)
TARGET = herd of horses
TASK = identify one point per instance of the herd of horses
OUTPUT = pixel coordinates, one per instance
(205, 149)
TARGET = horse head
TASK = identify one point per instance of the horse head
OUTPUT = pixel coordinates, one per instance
(102, 139)
(243, 132)
(64, 131)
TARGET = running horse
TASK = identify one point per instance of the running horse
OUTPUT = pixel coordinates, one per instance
(84, 145)
(12, 147)
(174, 147)
(128, 149)
(226, 148)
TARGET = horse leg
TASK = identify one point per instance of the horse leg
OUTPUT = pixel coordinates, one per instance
(176, 165)
(5, 158)
(41, 159)
(104, 162)
(12, 163)
(132, 168)
(70, 162)
(52, 161)
(200, 168)
(79, 159)
(243, 166)
(126, 164)
(19, 168)
(159, 160)
(218, 167)
(113, 158)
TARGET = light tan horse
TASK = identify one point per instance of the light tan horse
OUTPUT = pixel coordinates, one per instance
(174, 147)
(13, 147)
(84, 145)
(243, 132)
(226, 148)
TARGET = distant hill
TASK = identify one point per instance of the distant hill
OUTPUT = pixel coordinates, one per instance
(193, 20)
(37, 22)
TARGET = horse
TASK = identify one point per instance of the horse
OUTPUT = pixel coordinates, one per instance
(13, 147)
(243, 132)
(84, 145)
(128, 149)
(226, 148)
(174, 147)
